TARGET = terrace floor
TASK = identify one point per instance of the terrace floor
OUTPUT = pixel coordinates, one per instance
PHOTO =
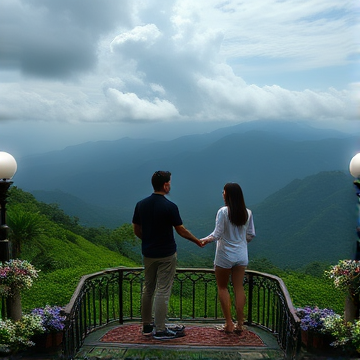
(202, 342)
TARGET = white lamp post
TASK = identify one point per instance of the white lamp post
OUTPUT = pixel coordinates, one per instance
(8, 169)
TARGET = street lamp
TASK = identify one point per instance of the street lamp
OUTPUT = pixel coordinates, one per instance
(354, 168)
(8, 169)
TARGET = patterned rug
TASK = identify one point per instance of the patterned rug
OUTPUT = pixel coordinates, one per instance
(194, 336)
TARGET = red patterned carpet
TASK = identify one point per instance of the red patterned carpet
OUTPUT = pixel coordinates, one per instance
(195, 336)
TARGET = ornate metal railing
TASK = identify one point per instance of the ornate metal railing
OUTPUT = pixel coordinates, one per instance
(115, 294)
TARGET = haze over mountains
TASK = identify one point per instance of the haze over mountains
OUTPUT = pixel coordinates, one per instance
(100, 182)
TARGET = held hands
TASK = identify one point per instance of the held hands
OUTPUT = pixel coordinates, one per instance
(199, 243)
(205, 241)
(202, 242)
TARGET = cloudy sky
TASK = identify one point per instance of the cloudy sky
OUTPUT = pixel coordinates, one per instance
(73, 71)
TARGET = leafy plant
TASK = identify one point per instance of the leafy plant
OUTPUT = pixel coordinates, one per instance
(16, 274)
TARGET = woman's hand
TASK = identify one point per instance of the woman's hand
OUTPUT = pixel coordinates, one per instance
(206, 240)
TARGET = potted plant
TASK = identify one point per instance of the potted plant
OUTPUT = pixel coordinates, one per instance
(53, 324)
(16, 335)
(16, 275)
(313, 332)
(346, 277)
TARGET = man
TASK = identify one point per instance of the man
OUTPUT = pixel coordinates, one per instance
(153, 222)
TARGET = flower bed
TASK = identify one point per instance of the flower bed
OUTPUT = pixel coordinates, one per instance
(15, 336)
(314, 336)
(51, 318)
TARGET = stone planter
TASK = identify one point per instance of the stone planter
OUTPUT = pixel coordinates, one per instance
(351, 308)
(48, 342)
(316, 342)
(14, 306)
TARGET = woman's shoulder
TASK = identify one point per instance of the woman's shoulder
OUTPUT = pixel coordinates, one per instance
(223, 210)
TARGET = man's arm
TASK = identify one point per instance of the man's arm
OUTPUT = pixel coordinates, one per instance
(186, 234)
(137, 230)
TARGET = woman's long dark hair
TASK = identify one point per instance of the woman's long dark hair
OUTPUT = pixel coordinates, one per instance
(234, 200)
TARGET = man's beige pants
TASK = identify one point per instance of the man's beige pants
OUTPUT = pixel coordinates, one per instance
(159, 277)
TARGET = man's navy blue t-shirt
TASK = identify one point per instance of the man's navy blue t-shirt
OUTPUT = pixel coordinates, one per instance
(157, 216)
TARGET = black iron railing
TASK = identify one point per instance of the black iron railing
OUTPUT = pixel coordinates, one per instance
(115, 294)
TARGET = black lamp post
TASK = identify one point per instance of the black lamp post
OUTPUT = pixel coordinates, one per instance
(354, 168)
(8, 169)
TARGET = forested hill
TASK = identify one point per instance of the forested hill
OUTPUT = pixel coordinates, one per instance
(57, 245)
(108, 178)
(312, 219)
(309, 220)
(294, 177)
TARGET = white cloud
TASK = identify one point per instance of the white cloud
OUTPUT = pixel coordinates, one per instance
(145, 34)
(230, 98)
(128, 106)
(156, 88)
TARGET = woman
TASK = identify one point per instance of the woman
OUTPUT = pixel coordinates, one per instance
(234, 228)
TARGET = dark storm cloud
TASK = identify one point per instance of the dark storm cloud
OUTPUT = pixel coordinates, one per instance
(56, 39)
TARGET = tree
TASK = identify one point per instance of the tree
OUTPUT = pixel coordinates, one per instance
(24, 226)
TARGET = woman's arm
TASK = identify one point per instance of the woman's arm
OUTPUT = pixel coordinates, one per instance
(250, 231)
(218, 231)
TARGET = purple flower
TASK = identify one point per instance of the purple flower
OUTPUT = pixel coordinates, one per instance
(52, 320)
(312, 318)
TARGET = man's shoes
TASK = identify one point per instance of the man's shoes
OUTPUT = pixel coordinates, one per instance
(148, 329)
(167, 334)
(178, 328)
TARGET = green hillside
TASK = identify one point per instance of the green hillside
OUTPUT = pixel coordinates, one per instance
(62, 255)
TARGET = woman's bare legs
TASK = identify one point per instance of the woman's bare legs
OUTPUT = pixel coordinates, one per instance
(222, 280)
(237, 277)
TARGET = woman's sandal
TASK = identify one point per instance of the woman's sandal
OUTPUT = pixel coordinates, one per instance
(222, 328)
(239, 329)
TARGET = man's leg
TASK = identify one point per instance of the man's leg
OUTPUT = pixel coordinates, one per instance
(165, 278)
(150, 266)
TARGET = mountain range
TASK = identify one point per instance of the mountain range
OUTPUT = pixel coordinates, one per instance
(276, 164)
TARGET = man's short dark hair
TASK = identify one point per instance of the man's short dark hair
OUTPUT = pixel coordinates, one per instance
(159, 179)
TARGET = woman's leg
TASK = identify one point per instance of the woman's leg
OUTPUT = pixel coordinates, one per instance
(237, 277)
(222, 280)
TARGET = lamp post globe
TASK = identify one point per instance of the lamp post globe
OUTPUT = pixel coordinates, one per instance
(354, 166)
(8, 167)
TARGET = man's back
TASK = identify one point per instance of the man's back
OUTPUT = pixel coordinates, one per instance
(157, 216)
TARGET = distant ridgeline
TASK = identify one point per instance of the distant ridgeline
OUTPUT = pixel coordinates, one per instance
(295, 179)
